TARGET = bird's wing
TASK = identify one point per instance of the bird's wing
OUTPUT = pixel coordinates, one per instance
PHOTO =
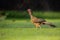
(39, 20)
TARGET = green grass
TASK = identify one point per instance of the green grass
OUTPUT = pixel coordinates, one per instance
(26, 23)
(25, 30)
(29, 34)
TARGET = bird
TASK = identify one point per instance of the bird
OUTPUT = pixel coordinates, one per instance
(38, 21)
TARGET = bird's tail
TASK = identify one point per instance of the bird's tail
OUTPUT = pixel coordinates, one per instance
(50, 24)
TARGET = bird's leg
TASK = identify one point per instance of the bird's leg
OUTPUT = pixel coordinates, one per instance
(37, 25)
(40, 26)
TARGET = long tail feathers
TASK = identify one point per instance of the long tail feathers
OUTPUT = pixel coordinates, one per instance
(50, 24)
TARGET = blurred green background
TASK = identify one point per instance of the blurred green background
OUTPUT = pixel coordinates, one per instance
(19, 19)
(39, 14)
(16, 25)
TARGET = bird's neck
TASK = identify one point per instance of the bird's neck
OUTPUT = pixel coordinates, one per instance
(31, 16)
(30, 13)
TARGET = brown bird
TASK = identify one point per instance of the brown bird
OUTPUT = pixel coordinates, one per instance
(38, 21)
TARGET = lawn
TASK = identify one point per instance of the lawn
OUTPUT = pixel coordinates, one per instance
(25, 30)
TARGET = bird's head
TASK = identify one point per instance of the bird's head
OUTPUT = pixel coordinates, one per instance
(29, 11)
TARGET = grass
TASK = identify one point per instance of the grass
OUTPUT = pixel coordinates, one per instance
(25, 30)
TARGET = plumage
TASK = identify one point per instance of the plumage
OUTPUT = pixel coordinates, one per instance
(38, 21)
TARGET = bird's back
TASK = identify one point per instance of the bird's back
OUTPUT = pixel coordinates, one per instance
(37, 20)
